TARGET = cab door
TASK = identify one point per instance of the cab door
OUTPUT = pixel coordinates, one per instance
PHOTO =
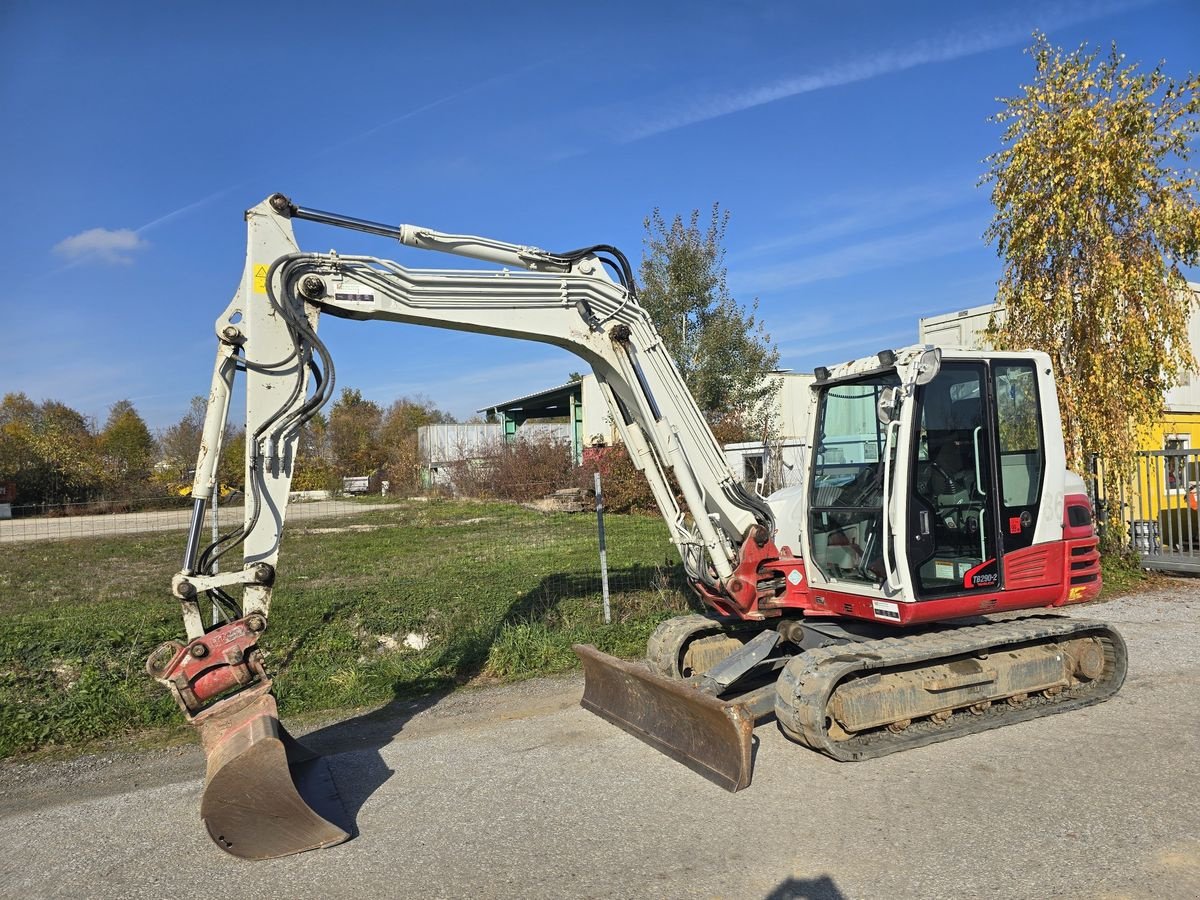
(952, 542)
(848, 490)
(977, 474)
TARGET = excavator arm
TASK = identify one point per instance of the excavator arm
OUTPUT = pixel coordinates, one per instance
(568, 300)
(258, 801)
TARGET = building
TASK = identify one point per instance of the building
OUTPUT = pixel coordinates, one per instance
(1178, 428)
(579, 405)
(1156, 505)
(575, 413)
(754, 463)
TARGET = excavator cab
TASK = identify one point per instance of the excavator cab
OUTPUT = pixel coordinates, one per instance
(919, 492)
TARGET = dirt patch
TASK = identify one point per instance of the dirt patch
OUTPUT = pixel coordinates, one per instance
(339, 530)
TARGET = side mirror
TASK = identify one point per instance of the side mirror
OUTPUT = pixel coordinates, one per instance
(928, 365)
(887, 407)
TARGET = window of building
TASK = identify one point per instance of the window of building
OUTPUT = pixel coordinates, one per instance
(1175, 468)
(752, 469)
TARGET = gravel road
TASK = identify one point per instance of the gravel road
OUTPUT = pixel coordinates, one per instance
(57, 529)
(517, 792)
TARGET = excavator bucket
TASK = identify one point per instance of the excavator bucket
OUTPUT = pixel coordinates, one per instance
(710, 736)
(266, 794)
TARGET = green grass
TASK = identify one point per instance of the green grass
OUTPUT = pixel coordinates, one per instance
(501, 592)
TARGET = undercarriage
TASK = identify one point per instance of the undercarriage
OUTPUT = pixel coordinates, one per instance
(850, 692)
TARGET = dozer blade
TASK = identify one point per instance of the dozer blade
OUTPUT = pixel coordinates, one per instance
(710, 736)
(266, 794)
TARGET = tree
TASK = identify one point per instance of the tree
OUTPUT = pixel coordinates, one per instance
(721, 349)
(1095, 214)
(313, 470)
(127, 447)
(354, 434)
(398, 436)
(18, 417)
(49, 450)
(231, 470)
(180, 443)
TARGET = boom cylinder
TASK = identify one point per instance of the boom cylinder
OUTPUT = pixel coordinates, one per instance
(215, 417)
(422, 238)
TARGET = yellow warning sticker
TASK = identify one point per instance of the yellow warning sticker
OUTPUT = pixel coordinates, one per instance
(260, 279)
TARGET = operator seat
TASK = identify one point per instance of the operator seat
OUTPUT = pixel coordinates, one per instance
(952, 448)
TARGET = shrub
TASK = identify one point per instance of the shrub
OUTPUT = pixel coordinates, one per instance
(522, 470)
(625, 488)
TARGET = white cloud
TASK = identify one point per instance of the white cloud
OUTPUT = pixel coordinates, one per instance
(115, 247)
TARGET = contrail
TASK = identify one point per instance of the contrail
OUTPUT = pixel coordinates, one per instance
(355, 138)
(183, 210)
(363, 135)
(951, 47)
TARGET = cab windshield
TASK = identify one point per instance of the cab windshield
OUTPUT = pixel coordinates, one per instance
(846, 492)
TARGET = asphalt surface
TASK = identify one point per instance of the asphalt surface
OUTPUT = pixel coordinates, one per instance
(517, 792)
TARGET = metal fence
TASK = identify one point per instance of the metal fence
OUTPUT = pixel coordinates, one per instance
(1159, 508)
(109, 518)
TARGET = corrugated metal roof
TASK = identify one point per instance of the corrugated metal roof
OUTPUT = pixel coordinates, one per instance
(528, 398)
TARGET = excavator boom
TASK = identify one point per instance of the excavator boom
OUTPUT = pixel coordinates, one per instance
(265, 794)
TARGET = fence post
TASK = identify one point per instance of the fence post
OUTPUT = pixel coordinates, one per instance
(603, 550)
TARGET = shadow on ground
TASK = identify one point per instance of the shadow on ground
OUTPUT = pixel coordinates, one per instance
(819, 888)
(352, 746)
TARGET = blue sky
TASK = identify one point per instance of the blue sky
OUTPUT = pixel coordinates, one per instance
(845, 139)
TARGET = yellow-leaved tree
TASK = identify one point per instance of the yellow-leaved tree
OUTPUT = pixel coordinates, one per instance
(1096, 212)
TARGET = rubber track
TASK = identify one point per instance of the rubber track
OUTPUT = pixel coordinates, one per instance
(665, 647)
(809, 680)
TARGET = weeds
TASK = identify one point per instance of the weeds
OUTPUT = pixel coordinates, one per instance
(1122, 574)
(493, 590)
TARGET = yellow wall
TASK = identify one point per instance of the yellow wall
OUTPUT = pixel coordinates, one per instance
(1173, 423)
(1170, 423)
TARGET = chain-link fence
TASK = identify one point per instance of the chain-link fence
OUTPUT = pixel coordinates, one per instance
(109, 518)
(558, 518)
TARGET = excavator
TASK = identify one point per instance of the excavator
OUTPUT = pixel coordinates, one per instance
(901, 594)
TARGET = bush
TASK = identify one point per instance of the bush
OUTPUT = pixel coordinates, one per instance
(625, 488)
(522, 470)
(315, 474)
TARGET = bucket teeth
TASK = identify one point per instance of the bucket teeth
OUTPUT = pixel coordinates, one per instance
(266, 794)
(710, 736)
